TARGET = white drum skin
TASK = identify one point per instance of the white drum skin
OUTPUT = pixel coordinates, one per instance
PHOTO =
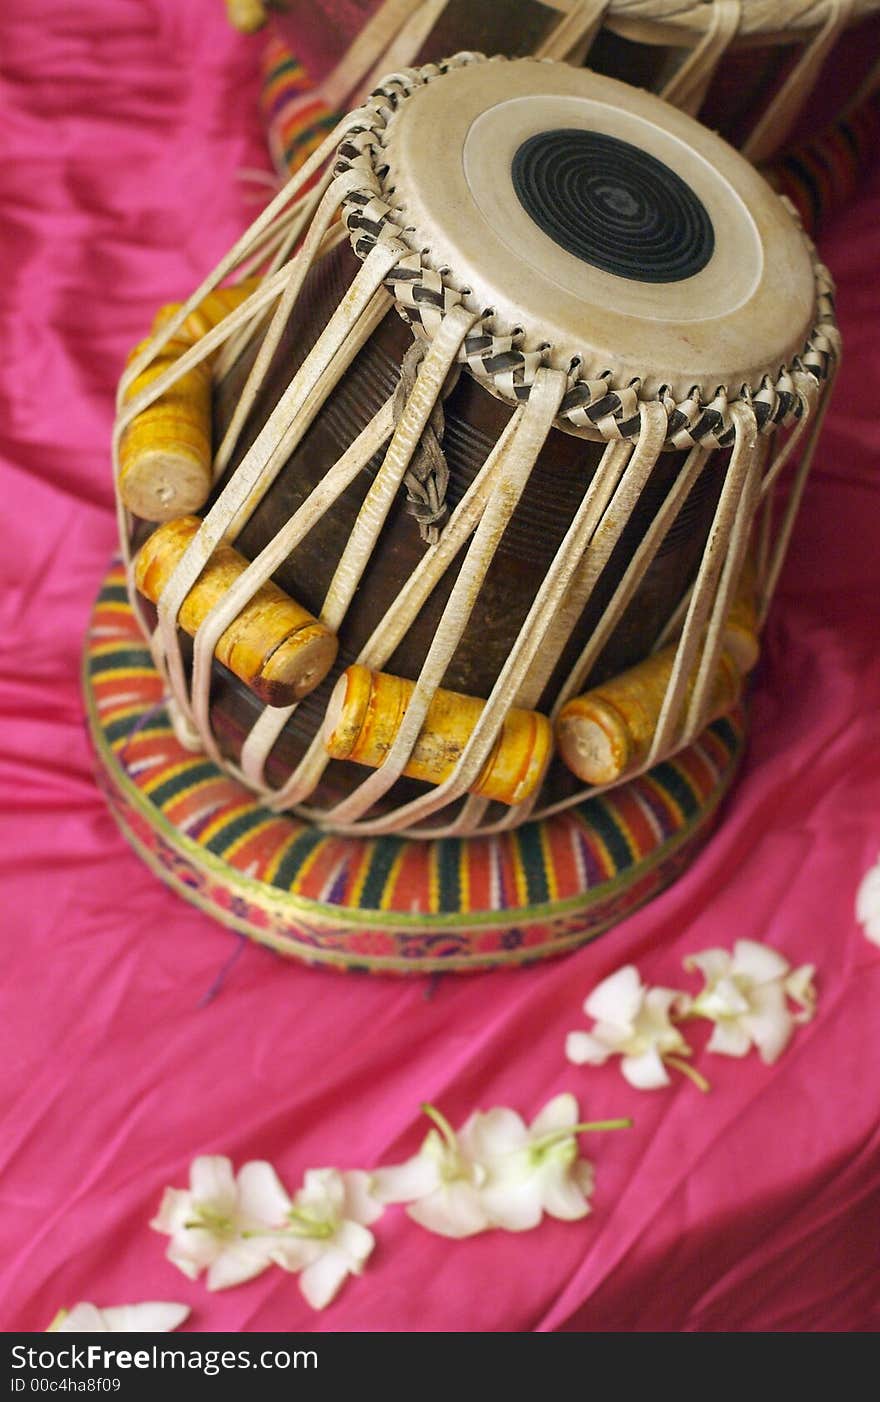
(737, 319)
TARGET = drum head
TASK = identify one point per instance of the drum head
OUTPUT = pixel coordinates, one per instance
(603, 221)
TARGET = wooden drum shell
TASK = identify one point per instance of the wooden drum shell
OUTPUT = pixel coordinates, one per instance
(474, 422)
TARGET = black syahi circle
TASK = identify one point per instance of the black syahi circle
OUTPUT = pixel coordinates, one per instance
(613, 205)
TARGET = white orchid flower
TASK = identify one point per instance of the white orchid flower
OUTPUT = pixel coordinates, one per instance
(441, 1182)
(535, 1169)
(321, 1232)
(151, 1317)
(868, 902)
(210, 1228)
(633, 1021)
(746, 996)
(496, 1172)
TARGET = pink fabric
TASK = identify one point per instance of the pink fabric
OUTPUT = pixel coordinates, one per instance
(752, 1208)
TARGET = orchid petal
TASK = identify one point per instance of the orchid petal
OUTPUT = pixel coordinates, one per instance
(405, 1182)
(292, 1253)
(486, 1135)
(617, 998)
(516, 1208)
(660, 1001)
(192, 1250)
(237, 1262)
(771, 1036)
(768, 998)
(324, 1189)
(729, 1039)
(800, 989)
(645, 1072)
(564, 1196)
(713, 964)
(455, 1210)
(211, 1180)
(654, 1021)
(586, 1050)
(262, 1196)
(558, 1113)
(868, 903)
(616, 1039)
(356, 1241)
(769, 1024)
(758, 962)
(321, 1281)
(361, 1202)
(150, 1317)
(584, 1176)
(84, 1318)
(723, 999)
(175, 1210)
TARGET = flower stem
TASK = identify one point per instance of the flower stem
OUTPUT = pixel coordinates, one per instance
(300, 1226)
(689, 1071)
(623, 1123)
(303, 1223)
(442, 1124)
(556, 1136)
(207, 1220)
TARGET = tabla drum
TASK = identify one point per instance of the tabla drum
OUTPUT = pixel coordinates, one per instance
(762, 72)
(449, 536)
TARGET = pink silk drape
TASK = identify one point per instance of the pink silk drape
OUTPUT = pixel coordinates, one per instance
(128, 127)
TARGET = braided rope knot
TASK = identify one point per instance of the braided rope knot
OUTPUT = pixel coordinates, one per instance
(427, 476)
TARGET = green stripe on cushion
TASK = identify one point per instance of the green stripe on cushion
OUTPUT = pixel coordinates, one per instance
(291, 862)
(113, 594)
(116, 730)
(179, 783)
(670, 778)
(236, 827)
(532, 857)
(118, 659)
(449, 873)
(382, 859)
(597, 814)
(729, 735)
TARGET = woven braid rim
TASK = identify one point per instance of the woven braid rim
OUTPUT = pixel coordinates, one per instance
(502, 359)
(757, 16)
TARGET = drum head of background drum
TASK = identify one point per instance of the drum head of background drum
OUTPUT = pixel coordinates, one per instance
(602, 221)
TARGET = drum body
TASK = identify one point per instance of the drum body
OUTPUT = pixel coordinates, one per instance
(474, 422)
(499, 454)
(762, 75)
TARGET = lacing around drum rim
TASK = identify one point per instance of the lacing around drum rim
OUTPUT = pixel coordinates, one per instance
(500, 359)
(687, 15)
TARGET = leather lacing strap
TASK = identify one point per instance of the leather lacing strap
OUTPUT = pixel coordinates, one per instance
(688, 87)
(785, 106)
